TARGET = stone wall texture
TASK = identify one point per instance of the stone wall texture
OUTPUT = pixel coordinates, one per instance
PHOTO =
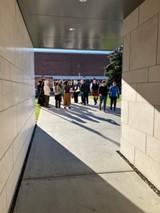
(140, 141)
(16, 98)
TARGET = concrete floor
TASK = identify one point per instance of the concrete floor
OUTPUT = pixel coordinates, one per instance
(73, 167)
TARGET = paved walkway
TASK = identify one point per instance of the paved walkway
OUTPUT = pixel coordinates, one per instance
(73, 167)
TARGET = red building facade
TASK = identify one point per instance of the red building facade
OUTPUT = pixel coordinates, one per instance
(58, 64)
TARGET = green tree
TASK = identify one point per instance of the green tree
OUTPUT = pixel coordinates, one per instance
(113, 70)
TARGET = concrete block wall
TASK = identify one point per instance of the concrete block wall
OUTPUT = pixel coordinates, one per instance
(16, 98)
(140, 141)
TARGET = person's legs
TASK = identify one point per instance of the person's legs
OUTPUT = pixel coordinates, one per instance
(48, 100)
(115, 103)
(104, 103)
(83, 99)
(111, 103)
(45, 100)
(41, 100)
(76, 97)
(94, 98)
(56, 101)
(100, 103)
(87, 99)
(68, 99)
(46, 97)
(65, 100)
(59, 101)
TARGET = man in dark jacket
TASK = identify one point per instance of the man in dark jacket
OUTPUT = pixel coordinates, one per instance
(40, 89)
(84, 90)
(103, 93)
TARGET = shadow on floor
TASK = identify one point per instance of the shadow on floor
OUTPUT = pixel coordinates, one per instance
(78, 113)
(56, 181)
(65, 115)
(116, 113)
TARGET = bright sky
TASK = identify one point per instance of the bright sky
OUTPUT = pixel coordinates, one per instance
(73, 51)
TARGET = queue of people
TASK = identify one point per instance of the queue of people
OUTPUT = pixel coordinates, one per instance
(64, 91)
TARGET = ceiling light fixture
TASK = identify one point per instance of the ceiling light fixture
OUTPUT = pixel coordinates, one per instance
(83, 1)
(72, 29)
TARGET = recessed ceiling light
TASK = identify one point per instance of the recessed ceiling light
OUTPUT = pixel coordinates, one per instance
(71, 29)
(83, 0)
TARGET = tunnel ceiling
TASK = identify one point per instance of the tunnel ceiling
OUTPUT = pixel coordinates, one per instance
(72, 24)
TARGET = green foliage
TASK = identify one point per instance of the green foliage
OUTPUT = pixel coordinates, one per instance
(37, 110)
(113, 70)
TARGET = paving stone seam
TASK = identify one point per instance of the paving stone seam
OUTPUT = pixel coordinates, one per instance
(76, 175)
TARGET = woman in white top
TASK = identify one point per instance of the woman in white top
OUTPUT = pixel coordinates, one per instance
(47, 92)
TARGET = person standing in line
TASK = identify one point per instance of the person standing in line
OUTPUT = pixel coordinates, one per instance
(103, 93)
(94, 90)
(71, 84)
(76, 91)
(46, 93)
(51, 86)
(58, 92)
(114, 94)
(67, 95)
(38, 88)
(81, 91)
(61, 83)
(41, 100)
(84, 92)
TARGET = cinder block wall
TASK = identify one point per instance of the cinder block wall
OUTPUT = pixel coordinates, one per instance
(16, 98)
(140, 141)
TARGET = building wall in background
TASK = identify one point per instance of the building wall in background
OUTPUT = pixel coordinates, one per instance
(69, 64)
(16, 98)
(140, 141)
